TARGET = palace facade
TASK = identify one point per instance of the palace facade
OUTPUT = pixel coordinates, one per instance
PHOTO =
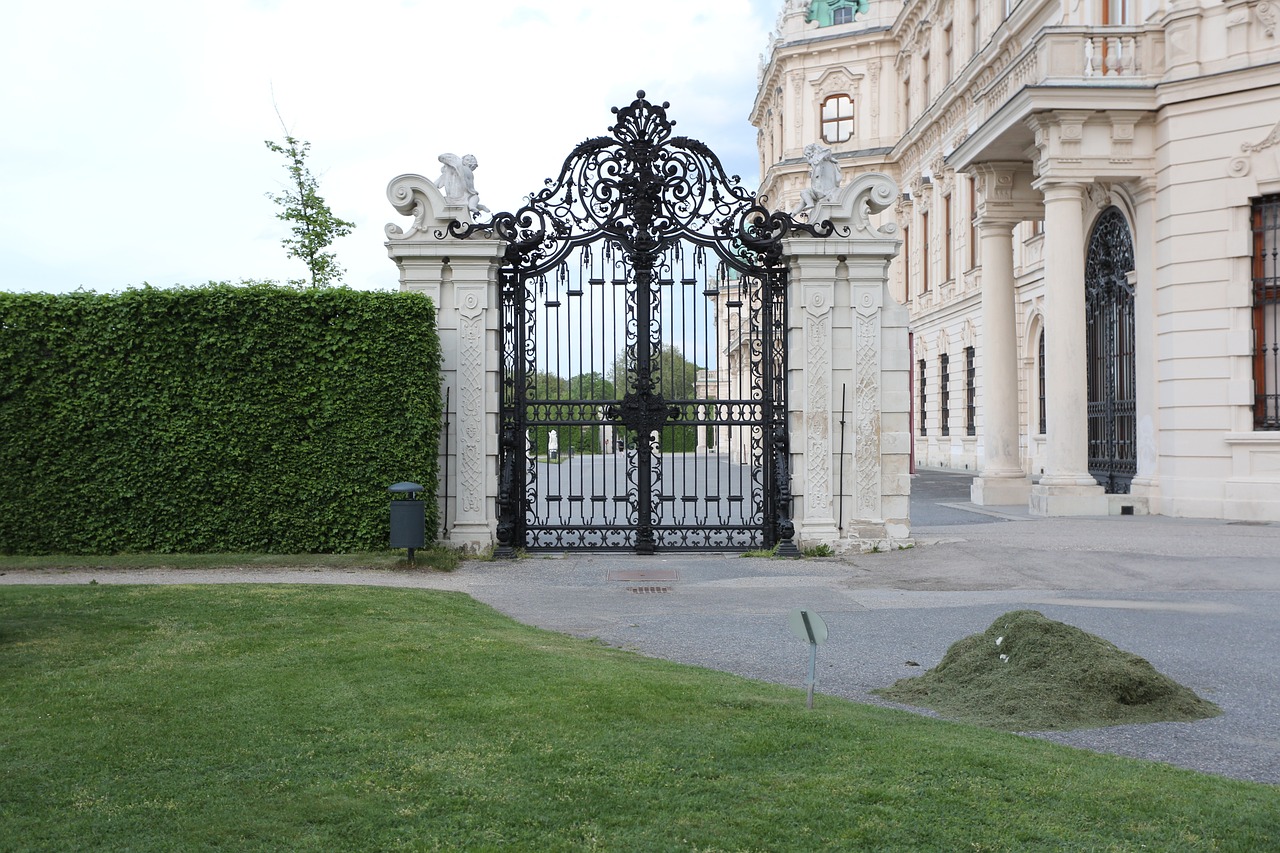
(1090, 216)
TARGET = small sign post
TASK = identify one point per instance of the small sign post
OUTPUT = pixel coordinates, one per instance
(809, 626)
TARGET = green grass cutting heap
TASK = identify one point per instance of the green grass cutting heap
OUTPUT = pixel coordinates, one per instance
(1029, 673)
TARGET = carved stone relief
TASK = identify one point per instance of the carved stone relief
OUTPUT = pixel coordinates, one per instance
(1267, 16)
(471, 414)
(873, 74)
(1099, 195)
(867, 406)
(818, 404)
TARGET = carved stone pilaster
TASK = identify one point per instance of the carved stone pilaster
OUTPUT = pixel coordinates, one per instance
(471, 408)
(461, 278)
(867, 450)
(817, 418)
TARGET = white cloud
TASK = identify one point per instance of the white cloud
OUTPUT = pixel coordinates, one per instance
(132, 147)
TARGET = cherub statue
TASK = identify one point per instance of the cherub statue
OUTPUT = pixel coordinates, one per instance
(458, 182)
(824, 174)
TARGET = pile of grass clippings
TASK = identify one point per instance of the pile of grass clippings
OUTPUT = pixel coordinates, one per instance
(1030, 673)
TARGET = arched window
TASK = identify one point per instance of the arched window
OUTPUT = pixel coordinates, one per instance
(1266, 312)
(837, 118)
(843, 15)
(1044, 422)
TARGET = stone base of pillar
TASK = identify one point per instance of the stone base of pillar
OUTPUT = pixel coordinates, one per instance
(867, 536)
(1000, 491)
(1149, 490)
(819, 533)
(1068, 500)
(472, 538)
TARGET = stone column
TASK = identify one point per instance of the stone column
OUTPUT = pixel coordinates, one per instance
(1143, 278)
(1001, 479)
(1067, 487)
(846, 332)
(460, 276)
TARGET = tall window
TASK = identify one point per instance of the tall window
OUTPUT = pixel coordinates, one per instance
(1117, 12)
(948, 61)
(924, 252)
(948, 246)
(923, 400)
(837, 118)
(1266, 312)
(975, 25)
(1044, 421)
(970, 392)
(906, 104)
(973, 223)
(944, 394)
(906, 260)
(926, 80)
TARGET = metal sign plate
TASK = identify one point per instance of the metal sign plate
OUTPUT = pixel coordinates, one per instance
(808, 626)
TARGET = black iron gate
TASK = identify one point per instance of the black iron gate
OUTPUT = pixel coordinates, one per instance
(643, 352)
(1113, 428)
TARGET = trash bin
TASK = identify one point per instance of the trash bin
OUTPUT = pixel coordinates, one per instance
(408, 517)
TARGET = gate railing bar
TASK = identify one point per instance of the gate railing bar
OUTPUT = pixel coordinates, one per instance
(444, 514)
(840, 525)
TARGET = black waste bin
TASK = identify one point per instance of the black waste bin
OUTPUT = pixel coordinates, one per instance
(408, 517)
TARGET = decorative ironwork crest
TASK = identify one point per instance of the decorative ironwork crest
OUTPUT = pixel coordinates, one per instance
(644, 188)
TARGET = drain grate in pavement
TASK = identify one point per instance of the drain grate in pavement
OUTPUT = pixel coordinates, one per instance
(648, 589)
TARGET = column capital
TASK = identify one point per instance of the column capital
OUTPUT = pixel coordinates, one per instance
(1143, 190)
(1007, 191)
(1057, 189)
(992, 222)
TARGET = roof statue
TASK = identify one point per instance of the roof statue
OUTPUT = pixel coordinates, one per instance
(824, 174)
(458, 183)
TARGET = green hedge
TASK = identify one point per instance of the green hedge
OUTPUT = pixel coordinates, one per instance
(220, 418)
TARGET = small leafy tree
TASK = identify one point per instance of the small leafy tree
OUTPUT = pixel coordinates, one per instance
(314, 225)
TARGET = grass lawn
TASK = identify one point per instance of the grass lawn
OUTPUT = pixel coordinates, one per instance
(325, 718)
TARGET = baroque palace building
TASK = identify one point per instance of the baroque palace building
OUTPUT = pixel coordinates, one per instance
(1090, 216)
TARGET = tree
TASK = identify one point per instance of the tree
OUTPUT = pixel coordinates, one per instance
(314, 225)
(677, 383)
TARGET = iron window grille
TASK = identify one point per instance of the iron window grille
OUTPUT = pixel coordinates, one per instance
(944, 394)
(924, 430)
(1266, 312)
(970, 391)
(1044, 421)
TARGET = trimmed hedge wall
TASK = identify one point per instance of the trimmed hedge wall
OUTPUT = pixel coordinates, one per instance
(255, 418)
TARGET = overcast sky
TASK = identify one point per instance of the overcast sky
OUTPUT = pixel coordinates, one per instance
(131, 133)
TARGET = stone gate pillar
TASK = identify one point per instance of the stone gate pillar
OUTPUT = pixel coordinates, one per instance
(847, 340)
(460, 277)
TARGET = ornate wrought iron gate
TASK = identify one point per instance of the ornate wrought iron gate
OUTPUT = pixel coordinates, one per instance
(1113, 430)
(643, 352)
